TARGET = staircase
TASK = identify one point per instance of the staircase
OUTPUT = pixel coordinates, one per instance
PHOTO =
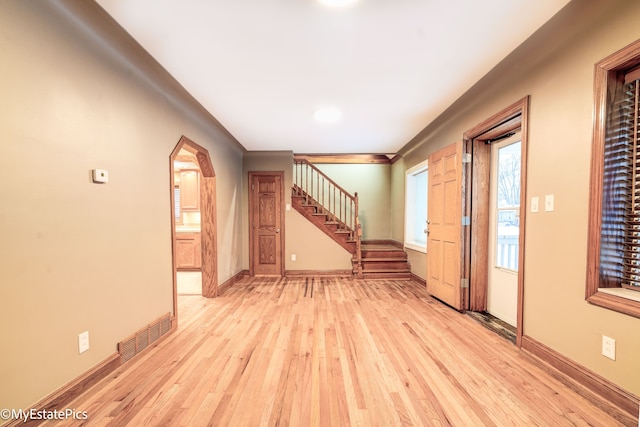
(384, 260)
(335, 212)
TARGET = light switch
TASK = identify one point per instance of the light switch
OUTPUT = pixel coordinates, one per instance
(549, 203)
(534, 204)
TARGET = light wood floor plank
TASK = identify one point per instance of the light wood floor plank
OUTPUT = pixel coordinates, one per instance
(335, 352)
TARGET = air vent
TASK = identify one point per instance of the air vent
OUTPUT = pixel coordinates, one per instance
(144, 338)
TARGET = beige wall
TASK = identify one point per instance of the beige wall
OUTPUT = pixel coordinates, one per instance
(555, 68)
(78, 256)
(372, 183)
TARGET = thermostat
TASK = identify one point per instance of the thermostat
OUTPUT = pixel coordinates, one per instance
(100, 176)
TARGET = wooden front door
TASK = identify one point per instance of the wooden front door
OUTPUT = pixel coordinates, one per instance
(266, 223)
(444, 257)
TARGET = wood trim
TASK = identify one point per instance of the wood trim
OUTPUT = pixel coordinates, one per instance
(324, 273)
(524, 150)
(418, 279)
(605, 81)
(61, 398)
(208, 218)
(502, 116)
(232, 281)
(616, 303)
(594, 382)
(344, 158)
(208, 237)
(479, 233)
(504, 120)
(395, 158)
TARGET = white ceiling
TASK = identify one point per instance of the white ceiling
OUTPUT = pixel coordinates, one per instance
(263, 67)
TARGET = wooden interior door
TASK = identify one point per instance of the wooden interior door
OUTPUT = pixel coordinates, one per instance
(444, 257)
(266, 223)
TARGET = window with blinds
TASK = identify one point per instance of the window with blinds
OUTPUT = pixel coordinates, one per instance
(620, 228)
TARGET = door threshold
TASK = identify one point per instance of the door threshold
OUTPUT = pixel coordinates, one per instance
(494, 324)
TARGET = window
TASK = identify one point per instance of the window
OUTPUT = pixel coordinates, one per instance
(415, 236)
(176, 197)
(507, 207)
(613, 276)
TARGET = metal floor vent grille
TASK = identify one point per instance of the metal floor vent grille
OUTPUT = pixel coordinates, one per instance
(144, 338)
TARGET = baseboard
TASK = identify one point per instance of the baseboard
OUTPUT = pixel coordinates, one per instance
(324, 273)
(602, 387)
(418, 279)
(61, 398)
(232, 281)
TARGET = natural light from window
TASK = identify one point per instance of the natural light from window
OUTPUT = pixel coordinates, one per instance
(416, 198)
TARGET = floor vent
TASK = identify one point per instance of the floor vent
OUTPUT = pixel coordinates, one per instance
(144, 338)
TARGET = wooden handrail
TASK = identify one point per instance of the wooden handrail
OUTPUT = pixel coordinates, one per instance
(335, 201)
(319, 172)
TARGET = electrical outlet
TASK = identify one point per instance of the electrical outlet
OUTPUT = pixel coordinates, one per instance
(83, 342)
(608, 347)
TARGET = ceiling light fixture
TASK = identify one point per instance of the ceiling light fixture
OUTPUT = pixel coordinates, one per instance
(327, 115)
(338, 3)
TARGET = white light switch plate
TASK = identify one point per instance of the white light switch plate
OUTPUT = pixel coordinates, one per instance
(549, 203)
(535, 201)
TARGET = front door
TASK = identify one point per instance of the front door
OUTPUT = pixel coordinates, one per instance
(504, 229)
(444, 225)
(266, 223)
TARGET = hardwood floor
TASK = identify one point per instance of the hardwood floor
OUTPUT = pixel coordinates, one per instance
(324, 351)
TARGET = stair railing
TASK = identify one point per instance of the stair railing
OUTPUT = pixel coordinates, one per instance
(334, 201)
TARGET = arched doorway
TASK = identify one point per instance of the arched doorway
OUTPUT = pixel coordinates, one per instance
(207, 209)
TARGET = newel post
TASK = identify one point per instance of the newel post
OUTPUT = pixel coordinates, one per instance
(358, 236)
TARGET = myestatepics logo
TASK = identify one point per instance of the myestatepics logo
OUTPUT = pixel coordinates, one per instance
(42, 414)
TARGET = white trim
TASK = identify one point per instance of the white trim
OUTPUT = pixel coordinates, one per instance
(416, 248)
(409, 219)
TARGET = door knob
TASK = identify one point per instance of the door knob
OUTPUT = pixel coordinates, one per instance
(277, 230)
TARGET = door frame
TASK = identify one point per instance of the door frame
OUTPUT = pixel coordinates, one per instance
(477, 203)
(282, 223)
(208, 220)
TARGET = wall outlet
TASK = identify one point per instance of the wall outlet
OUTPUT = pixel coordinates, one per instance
(83, 342)
(608, 347)
(100, 176)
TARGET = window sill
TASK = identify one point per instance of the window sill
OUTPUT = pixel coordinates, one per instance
(621, 300)
(416, 248)
(622, 293)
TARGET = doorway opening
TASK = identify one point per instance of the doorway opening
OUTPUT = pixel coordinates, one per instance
(188, 247)
(193, 217)
(494, 241)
